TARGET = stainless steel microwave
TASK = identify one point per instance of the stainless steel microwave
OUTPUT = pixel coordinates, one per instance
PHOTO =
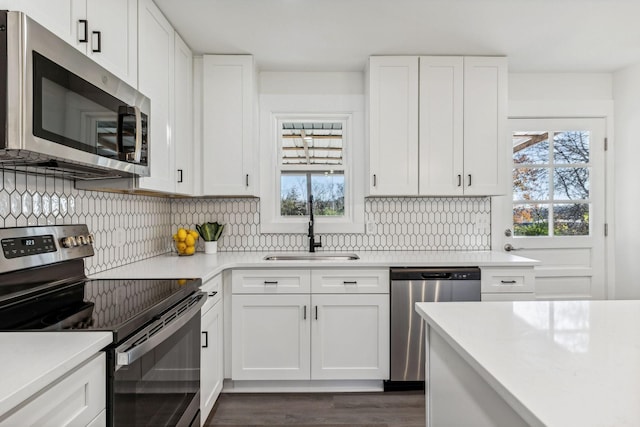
(62, 112)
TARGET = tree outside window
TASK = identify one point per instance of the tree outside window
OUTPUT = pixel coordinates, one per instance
(551, 183)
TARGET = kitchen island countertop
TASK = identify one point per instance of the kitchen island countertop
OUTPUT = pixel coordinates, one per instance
(561, 363)
(205, 266)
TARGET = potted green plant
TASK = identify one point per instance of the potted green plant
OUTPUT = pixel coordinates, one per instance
(210, 233)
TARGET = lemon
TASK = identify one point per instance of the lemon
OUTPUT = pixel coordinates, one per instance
(175, 237)
(181, 246)
(189, 240)
(182, 234)
(194, 234)
(190, 250)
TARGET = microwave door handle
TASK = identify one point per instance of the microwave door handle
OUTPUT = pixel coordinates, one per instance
(138, 150)
(128, 352)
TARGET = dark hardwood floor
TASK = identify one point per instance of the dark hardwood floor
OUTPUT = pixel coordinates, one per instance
(391, 409)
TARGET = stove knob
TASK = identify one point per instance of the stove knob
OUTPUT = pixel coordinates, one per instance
(81, 240)
(90, 239)
(68, 242)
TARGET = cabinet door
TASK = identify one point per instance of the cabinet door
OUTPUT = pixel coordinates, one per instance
(55, 15)
(211, 362)
(155, 63)
(183, 123)
(228, 145)
(485, 134)
(350, 337)
(441, 125)
(113, 36)
(393, 125)
(270, 337)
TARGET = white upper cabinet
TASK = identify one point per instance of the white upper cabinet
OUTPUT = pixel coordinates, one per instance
(485, 121)
(156, 72)
(457, 106)
(183, 119)
(107, 31)
(228, 142)
(393, 125)
(441, 125)
(111, 34)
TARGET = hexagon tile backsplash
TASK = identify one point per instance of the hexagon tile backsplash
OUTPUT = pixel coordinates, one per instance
(132, 227)
(126, 227)
(412, 223)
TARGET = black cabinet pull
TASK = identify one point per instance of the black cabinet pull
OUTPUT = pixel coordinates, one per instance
(305, 313)
(206, 339)
(99, 48)
(316, 312)
(469, 181)
(375, 181)
(266, 282)
(85, 33)
(180, 175)
(246, 180)
(459, 180)
(508, 282)
(350, 282)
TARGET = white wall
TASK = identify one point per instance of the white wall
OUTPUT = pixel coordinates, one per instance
(626, 93)
(325, 83)
(559, 86)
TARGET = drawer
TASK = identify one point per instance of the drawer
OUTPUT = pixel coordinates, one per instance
(497, 280)
(350, 281)
(271, 281)
(75, 400)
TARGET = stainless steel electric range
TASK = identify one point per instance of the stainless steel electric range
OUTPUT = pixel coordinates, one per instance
(153, 365)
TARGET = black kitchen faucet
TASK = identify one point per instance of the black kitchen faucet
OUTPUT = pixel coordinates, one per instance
(312, 240)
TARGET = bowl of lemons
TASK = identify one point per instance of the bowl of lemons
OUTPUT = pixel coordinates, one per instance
(185, 241)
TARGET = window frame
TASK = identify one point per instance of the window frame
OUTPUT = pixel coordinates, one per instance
(314, 108)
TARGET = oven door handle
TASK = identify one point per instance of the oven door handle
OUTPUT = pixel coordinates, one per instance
(158, 331)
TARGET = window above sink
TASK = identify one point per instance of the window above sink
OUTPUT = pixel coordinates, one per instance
(319, 152)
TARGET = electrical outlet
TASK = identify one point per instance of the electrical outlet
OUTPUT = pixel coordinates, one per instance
(481, 223)
(371, 227)
(119, 237)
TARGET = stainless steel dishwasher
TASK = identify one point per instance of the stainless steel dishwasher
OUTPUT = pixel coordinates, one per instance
(411, 285)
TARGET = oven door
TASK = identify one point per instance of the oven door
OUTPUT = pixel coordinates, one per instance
(155, 374)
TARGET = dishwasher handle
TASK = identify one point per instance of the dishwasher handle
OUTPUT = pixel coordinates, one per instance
(436, 275)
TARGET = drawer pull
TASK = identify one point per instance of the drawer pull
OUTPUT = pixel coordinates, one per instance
(267, 282)
(212, 294)
(508, 282)
(350, 282)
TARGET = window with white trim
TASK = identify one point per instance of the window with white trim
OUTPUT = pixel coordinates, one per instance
(319, 154)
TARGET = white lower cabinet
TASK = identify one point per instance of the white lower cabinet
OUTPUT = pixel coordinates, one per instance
(270, 337)
(212, 343)
(507, 283)
(78, 399)
(303, 336)
(350, 337)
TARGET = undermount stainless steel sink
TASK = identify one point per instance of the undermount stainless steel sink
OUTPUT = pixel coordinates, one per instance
(319, 256)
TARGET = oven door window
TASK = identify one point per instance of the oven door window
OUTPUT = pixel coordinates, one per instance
(70, 111)
(157, 388)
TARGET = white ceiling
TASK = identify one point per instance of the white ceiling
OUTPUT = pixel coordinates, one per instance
(338, 35)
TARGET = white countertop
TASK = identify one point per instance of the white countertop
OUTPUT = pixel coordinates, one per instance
(206, 266)
(29, 361)
(562, 363)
